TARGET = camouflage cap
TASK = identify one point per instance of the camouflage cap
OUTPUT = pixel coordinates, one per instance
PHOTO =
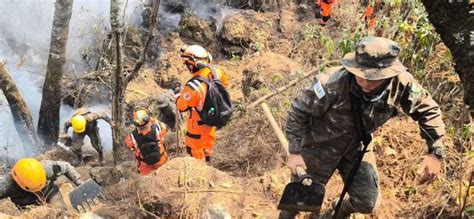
(375, 58)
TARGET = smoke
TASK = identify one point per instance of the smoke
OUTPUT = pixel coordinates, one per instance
(25, 31)
(214, 11)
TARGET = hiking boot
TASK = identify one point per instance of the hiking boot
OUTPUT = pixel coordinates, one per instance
(345, 211)
(322, 22)
(101, 161)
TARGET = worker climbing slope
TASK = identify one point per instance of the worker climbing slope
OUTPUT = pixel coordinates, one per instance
(194, 98)
(84, 123)
(330, 118)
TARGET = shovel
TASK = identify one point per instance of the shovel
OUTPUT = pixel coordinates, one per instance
(302, 195)
(86, 195)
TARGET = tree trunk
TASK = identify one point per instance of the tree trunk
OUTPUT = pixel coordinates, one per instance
(120, 79)
(454, 24)
(119, 86)
(48, 123)
(20, 112)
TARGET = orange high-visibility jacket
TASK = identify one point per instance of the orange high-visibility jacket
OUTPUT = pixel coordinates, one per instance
(130, 141)
(194, 93)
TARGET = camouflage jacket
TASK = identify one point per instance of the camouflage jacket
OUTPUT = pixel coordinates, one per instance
(54, 169)
(90, 117)
(321, 116)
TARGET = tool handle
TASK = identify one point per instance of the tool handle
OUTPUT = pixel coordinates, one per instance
(303, 176)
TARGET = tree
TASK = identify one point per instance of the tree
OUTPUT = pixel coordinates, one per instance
(120, 78)
(48, 123)
(454, 24)
(20, 112)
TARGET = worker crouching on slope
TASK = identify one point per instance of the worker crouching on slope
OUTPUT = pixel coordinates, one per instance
(31, 182)
(84, 123)
(200, 137)
(325, 132)
(147, 141)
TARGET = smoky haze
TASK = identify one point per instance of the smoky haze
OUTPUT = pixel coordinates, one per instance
(25, 31)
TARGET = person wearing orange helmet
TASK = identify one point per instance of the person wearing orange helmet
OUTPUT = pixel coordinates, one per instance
(147, 141)
(84, 122)
(31, 182)
(200, 138)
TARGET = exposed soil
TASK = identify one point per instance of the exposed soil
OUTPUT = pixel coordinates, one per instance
(262, 51)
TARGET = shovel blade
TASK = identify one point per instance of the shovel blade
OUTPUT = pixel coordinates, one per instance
(298, 197)
(85, 193)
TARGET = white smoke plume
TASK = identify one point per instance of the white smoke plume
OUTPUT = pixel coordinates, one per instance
(25, 31)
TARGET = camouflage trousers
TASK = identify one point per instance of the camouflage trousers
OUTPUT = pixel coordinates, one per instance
(364, 191)
(78, 141)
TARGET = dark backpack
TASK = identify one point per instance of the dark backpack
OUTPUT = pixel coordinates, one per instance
(218, 107)
(148, 145)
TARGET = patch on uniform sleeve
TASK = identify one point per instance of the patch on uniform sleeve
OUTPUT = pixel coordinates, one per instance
(187, 96)
(319, 90)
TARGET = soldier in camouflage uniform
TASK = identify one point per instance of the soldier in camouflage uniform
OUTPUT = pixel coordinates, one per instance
(320, 126)
(84, 123)
(32, 182)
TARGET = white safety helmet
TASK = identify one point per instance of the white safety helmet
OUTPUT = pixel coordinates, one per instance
(195, 56)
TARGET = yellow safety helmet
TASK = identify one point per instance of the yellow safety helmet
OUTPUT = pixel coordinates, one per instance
(29, 174)
(79, 123)
(141, 117)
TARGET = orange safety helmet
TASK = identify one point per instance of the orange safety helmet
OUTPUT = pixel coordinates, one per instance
(141, 117)
(195, 56)
(29, 174)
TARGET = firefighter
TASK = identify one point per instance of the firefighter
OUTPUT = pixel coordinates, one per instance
(32, 182)
(147, 141)
(200, 138)
(84, 122)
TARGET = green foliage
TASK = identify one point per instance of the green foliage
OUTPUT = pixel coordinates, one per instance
(395, 3)
(470, 210)
(418, 37)
(235, 58)
(310, 31)
(328, 43)
(259, 43)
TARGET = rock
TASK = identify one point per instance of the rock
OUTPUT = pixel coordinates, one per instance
(216, 211)
(288, 23)
(246, 29)
(9, 208)
(264, 68)
(110, 175)
(197, 29)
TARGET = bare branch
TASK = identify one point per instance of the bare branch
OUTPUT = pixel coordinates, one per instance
(292, 83)
(151, 35)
